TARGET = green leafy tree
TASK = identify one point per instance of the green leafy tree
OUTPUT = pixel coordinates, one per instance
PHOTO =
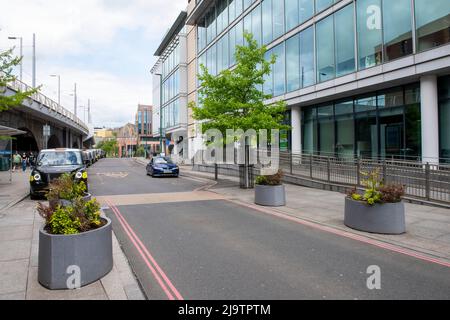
(234, 99)
(110, 147)
(7, 64)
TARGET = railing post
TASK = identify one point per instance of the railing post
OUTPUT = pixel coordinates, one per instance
(358, 171)
(384, 172)
(311, 166)
(291, 157)
(427, 181)
(216, 171)
(328, 169)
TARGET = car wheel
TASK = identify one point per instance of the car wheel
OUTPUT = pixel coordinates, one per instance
(33, 196)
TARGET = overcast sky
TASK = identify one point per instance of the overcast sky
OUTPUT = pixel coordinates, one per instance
(105, 46)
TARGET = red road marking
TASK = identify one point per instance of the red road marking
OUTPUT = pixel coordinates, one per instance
(138, 244)
(345, 234)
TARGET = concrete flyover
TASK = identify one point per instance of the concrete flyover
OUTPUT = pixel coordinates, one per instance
(67, 130)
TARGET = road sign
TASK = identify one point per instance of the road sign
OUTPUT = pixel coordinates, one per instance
(46, 130)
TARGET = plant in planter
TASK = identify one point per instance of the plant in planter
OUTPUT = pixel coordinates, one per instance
(65, 189)
(74, 234)
(269, 190)
(379, 209)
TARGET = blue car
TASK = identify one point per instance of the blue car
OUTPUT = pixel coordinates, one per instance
(162, 166)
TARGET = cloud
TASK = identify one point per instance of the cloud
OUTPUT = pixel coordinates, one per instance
(106, 46)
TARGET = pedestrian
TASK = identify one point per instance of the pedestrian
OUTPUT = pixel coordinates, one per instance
(16, 161)
(24, 162)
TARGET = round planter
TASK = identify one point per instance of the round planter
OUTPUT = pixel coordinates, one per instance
(59, 255)
(388, 218)
(271, 196)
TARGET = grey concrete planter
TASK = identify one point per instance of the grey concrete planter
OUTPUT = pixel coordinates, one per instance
(91, 252)
(271, 196)
(388, 218)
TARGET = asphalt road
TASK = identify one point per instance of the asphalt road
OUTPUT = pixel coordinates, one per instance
(216, 249)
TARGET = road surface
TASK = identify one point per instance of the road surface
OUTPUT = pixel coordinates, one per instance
(185, 243)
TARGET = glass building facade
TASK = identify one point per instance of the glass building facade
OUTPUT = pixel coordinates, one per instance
(362, 34)
(383, 124)
(353, 36)
(171, 89)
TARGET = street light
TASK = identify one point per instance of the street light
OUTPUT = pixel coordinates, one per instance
(21, 54)
(59, 86)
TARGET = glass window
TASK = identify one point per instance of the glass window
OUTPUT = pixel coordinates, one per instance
(267, 21)
(248, 23)
(306, 10)
(278, 19)
(444, 117)
(239, 33)
(239, 7)
(366, 104)
(391, 98)
(291, 11)
(397, 29)
(293, 63)
(323, 4)
(256, 24)
(325, 49)
(307, 71)
(247, 3)
(279, 70)
(268, 79)
(391, 131)
(201, 35)
(232, 44)
(213, 57)
(220, 58)
(232, 10)
(345, 41)
(432, 23)
(345, 129)
(326, 130)
(309, 135)
(369, 33)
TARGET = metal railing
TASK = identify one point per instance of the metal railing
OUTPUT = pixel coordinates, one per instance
(45, 101)
(426, 181)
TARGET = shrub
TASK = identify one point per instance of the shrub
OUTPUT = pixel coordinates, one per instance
(81, 216)
(271, 180)
(65, 187)
(376, 192)
(392, 193)
(62, 221)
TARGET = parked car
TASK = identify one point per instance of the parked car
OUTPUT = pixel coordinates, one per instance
(51, 164)
(86, 158)
(162, 166)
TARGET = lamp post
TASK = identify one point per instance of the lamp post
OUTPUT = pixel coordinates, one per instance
(21, 54)
(59, 86)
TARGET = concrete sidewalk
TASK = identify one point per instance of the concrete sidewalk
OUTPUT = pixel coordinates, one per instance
(19, 236)
(428, 228)
(16, 191)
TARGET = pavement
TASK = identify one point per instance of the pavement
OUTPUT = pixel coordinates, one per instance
(19, 236)
(14, 191)
(428, 227)
(193, 238)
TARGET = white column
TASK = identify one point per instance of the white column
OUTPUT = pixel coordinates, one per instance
(430, 119)
(296, 124)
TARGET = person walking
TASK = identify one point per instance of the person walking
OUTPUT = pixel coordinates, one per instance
(16, 161)
(24, 162)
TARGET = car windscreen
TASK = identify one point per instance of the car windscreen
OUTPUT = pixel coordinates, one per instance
(59, 158)
(163, 161)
